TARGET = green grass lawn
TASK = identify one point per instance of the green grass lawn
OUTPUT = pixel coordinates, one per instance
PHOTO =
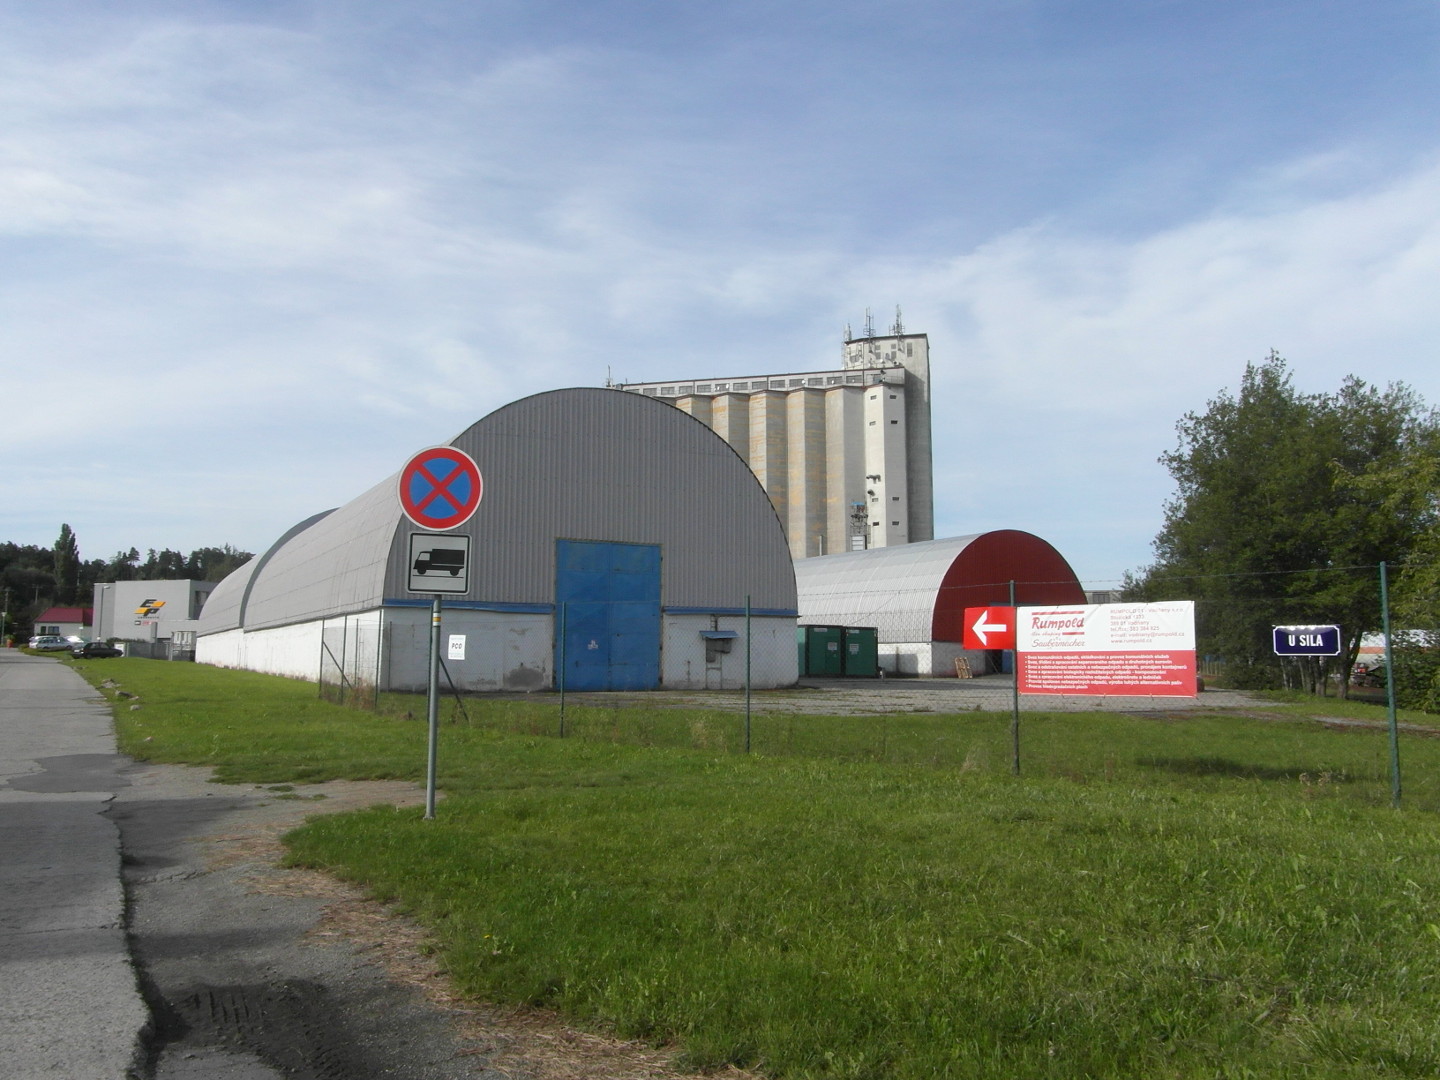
(1200, 895)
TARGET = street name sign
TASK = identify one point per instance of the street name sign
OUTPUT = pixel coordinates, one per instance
(1307, 640)
(440, 488)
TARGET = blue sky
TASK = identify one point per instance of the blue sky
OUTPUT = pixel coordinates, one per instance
(256, 254)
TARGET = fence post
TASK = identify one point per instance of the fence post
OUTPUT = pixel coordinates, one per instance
(747, 674)
(1015, 691)
(564, 612)
(1390, 689)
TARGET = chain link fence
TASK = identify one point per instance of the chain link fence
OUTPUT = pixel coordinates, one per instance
(351, 652)
(902, 653)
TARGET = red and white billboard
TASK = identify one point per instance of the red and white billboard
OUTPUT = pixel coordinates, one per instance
(1110, 649)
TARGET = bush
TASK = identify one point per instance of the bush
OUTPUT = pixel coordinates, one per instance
(1417, 676)
(1242, 675)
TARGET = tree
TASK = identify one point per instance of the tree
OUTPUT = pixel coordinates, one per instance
(1266, 526)
(66, 566)
(213, 564)
(122, 566)
(165, 565)
(1411, 489)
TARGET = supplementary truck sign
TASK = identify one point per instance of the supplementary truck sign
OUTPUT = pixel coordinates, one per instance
(439, 563)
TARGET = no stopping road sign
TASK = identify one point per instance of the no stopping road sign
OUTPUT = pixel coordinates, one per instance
(440, 488)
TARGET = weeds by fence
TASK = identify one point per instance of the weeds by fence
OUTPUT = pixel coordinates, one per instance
(351, 652)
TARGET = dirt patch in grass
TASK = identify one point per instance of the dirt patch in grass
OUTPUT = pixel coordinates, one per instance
(526, 1042)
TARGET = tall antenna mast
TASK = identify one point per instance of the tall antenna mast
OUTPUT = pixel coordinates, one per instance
(898, 330)
(869, 324)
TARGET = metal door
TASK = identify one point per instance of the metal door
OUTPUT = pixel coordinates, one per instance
(607, 598)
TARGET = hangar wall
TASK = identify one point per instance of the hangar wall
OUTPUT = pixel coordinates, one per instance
(915, 596)
(590, 467)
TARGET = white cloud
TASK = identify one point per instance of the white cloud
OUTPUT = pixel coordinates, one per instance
(1064, 361)
(297, 249)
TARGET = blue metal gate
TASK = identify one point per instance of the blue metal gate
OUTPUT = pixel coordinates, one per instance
(607, 601)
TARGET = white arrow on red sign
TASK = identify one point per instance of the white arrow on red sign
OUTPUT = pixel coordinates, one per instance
(989, 628)
(983, 628)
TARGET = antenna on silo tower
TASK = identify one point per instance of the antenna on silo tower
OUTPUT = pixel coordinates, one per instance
(898, 330)
(869, 324)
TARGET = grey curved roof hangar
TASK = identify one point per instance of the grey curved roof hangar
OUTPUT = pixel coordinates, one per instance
(918, 592)
(578, 464)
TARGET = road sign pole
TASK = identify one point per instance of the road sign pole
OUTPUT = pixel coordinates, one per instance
(433, 709)
(1015, 691)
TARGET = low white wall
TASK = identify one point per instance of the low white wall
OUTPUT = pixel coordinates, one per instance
(503, 651)
(927, 659)
(773, 656)
(293, 651)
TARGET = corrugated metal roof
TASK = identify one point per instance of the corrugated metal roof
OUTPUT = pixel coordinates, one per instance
(893, 589)
(334, 567)
(918, 592)
(225, 609)
(222, 609)
(580, 464)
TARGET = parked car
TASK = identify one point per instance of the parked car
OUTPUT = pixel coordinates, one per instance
(1368, 675)
(49, 643)
(91, 650)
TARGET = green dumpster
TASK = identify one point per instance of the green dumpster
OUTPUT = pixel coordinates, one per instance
(862, 652)
(821, 650)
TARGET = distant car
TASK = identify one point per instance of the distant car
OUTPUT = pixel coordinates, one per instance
(91, 650)
(49, 643)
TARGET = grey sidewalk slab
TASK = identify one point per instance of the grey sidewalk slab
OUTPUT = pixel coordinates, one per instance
(69, 1003)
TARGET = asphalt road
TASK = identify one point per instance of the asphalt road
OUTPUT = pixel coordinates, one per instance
(69, 1003)
(200, 966)
(229, 950)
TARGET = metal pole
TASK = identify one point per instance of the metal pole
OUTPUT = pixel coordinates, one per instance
(1015, 690)
(564, 619)
(747, 674)
(1390, 689)
(434, 708)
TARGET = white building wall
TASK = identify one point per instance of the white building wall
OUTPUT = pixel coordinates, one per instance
(886, 480)
(117, 607)
(782, 441)
(805, 450)
(927, 659)
(911, 353)
(684, 665)
(503, 650)
(730, 419)
(769, 446)
(292, 651)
